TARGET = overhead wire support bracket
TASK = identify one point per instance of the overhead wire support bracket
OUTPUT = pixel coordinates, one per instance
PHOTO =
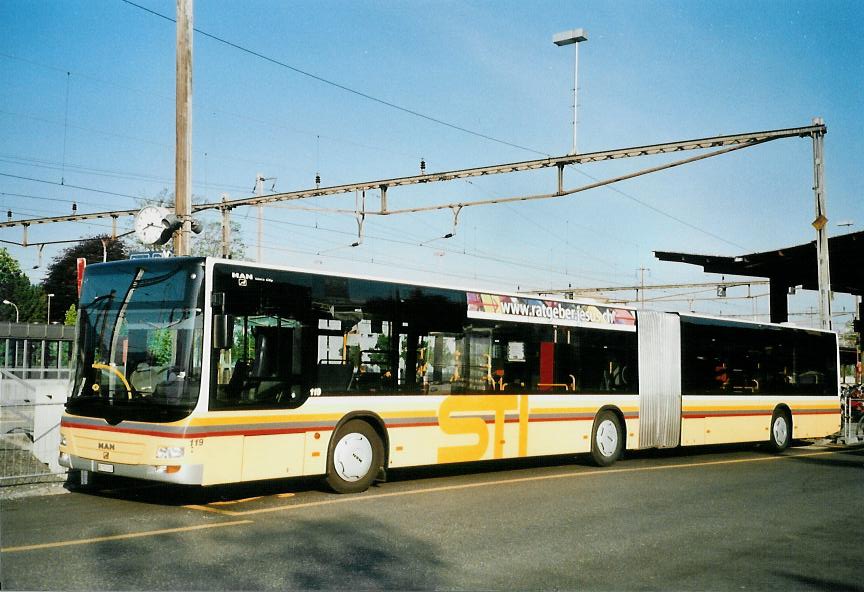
(383, 189)
(735, 141)
(455, 209)
(746, 139)
(560, 179)
(360, 214)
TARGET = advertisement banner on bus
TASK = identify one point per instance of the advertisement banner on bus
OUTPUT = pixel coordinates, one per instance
(548, 312)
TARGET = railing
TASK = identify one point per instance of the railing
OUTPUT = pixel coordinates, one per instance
(34, 373)
(853, 415)
(30, 412)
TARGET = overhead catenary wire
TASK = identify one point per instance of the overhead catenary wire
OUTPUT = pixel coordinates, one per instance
(342, 86)
(109, 173)
(232, 159)
(204, 108)
(662, 212)
(61, 242)
(614, 189)
(388, 263)
(82, 188)
(521, 264)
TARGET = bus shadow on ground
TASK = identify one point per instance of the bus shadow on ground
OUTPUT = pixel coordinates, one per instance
(511, 466)
(834, 460)
(166, 494)
(179, 495)
(356, 552)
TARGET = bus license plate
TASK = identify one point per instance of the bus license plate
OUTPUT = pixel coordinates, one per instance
(104, 468)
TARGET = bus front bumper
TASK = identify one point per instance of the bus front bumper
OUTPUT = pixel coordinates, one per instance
(179, 474)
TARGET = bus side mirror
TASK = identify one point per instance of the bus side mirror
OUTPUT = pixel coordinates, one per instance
(223, 334)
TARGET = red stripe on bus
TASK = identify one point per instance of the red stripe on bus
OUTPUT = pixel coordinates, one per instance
(193, 433)
(754, 414)
(79, 426)
(196, 433)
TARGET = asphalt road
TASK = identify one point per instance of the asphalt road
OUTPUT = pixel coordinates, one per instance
(705, 519)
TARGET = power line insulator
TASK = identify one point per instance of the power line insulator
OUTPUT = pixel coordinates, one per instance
(74, 207)
(317, 180)
(9, 214)
(422, 166)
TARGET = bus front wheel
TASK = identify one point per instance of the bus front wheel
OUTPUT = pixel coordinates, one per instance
(356, 455)
(780, 432)
(607, 439)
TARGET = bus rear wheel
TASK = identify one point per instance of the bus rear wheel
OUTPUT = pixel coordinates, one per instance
(607, 439)
(780, 432)
(355, 457)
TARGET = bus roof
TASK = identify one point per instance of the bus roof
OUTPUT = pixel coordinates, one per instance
(211, 261)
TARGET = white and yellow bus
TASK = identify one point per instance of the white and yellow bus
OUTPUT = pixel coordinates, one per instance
(207, 371)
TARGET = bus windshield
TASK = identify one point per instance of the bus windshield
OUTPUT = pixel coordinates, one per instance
(139, 340)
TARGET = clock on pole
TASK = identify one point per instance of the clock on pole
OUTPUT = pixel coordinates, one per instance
(148, 224)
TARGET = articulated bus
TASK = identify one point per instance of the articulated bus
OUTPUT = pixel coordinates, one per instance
(207, 371)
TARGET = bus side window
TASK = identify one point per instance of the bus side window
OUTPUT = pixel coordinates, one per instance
(264, 366)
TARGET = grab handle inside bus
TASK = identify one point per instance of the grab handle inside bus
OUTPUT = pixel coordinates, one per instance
(223, 335)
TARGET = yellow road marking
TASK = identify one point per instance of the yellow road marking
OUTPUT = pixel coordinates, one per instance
(208, 509)
(120, 537)
(239, 501)
(586, 473)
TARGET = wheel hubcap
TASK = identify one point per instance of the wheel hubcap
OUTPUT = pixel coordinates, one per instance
(352, 457)
(780, 430)
(607, 437)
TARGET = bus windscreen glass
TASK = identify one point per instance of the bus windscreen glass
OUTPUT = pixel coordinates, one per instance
(139, 341)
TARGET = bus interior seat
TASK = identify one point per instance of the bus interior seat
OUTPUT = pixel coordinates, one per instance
(335, 377)
(238, 379)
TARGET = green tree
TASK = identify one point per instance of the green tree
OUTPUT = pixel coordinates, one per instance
(71, 316)
(160, 346)
(209, 242)
(15, 287)
(62, 278)
(381, 355)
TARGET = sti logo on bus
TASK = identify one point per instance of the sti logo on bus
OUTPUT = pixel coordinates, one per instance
(461, 415)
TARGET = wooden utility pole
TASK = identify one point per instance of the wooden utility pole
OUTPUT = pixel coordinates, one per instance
(183, 155)
(226, 229)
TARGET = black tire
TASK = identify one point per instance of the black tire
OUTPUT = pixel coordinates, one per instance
(607, 439)
(780, 431)
(355, 458)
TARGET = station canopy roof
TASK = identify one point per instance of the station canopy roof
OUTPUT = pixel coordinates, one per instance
(792, 266)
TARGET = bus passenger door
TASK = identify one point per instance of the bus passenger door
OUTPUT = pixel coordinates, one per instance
(659, 379)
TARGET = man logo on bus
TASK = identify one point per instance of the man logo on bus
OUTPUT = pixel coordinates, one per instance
(242, 278)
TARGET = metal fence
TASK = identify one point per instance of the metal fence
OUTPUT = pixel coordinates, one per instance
(853, 415)
(30, 412)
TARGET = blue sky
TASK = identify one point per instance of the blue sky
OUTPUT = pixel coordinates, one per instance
(650, 72)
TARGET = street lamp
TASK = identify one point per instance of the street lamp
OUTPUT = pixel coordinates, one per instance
(48, 321)
(15, 306)
(573, 38)
(16, 322)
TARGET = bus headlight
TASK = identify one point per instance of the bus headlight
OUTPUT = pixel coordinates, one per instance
(170, 452)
